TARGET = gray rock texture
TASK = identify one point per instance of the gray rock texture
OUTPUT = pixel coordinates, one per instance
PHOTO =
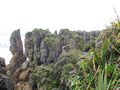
(16, 48)
(5, 82)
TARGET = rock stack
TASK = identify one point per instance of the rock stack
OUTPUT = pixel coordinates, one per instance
(16, 48)
(18, 67)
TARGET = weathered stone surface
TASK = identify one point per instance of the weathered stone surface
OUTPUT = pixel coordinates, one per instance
(25, 65)
(29, 45)
(15, 76)
(65, 49)
(27, 87)
(15, 63)
(88, 36)
(23, 86)
(52, 46)
(41, 46)
(16, 48)
(24, 75)
(64, 36)
(44, 48)
(5, 82)
(16, 45)
(2, 66)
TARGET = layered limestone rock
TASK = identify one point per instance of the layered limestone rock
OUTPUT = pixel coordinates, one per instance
(23, 74)
(19, 68)
(16, 48)
(41, 46)
(44, 48)
(5, 82)
(21, 77)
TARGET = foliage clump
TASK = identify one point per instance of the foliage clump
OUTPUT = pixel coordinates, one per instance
(43, 77)
(51, 41)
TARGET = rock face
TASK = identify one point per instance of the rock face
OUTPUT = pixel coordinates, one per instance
(41, 48)
(2, 66)
(44, 47)
(16, 48)
(5, 82)
(19, 68)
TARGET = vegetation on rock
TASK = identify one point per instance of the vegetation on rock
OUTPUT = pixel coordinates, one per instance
(98, 69)
(68, 60)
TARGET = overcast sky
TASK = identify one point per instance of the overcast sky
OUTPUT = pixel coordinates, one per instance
(53, 14)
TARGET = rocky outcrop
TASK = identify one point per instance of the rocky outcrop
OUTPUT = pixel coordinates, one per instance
(5, 82)
(22, 74)
(16, 48)
(44, 48)
(19, 69)
(41, 46)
